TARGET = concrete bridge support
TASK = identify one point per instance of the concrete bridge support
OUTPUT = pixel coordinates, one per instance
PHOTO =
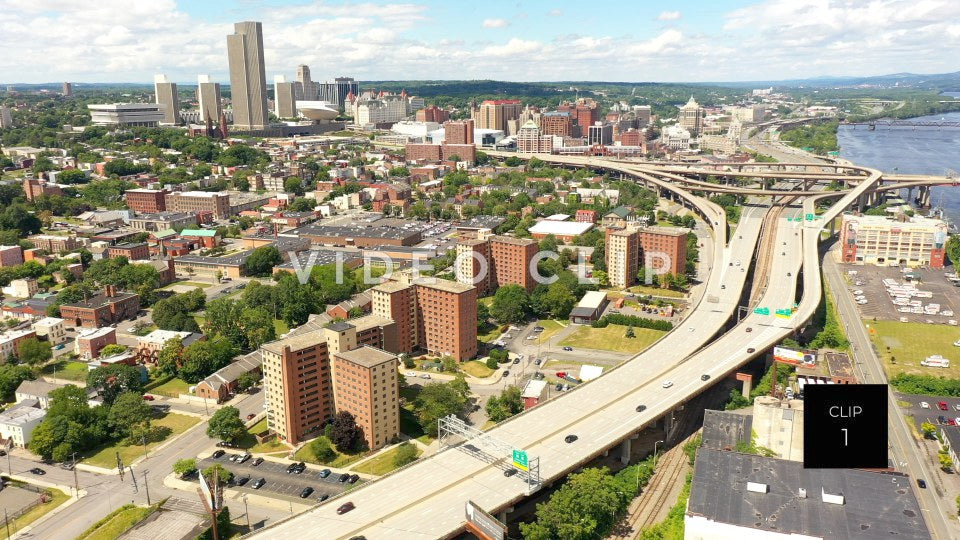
(625, 448)
(923, 197)
(747, 383)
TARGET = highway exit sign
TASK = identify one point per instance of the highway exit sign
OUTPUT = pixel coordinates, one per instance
(520, 460)
(762, 310)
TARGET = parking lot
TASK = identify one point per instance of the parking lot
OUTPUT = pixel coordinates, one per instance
(278, 482)
(933, 412)
(869, 279)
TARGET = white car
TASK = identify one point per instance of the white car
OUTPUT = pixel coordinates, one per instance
(667, 384)
(924, 405)
(411, 374)
(425, 376)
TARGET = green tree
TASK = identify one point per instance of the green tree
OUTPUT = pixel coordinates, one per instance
(202, 358)
(261, 262)
(130, 416)
(72, 176)
(246, 381)
(323, 450)
(11, 376)
(347, 435)
(509, 403)
(436, 401)
(585, 507)
(946, 462)
(510, 304)
(112, 349)
(226, 425)
(222, 475)
(499, 355)
(404, 454)
(492, 363)
(293, 184)
(33, 351)
(113, 379)
(929, 430)
(953, 249)
(257, 326)
(184, 467)
(170, 356)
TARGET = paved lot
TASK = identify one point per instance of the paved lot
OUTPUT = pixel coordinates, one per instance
(931, 415)
(879, 305)
(167, 525)
(278, 482)
(13, 498)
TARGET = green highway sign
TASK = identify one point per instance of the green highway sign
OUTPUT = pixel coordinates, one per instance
(809, 217)
(520, 460)
(762, 310)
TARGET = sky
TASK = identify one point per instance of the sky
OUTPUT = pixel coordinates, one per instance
(633, 40)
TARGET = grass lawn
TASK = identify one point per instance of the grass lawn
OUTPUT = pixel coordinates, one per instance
(476, 368)
(341, 461)
(117, 522)
(902, 346)
(488, 333)
(172, 388)
(612, 338)
(382, 463)
(550, 327)
(68, 370)
(644, 290)
(193, 284)
(912, 424)
(272, 445)
(107, 456)
(41, 510)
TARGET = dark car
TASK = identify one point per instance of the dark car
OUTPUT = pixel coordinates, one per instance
(307, 491)
(942, 419)
(570, 438)
(360, 537)
(242, 480)
(749, 329)
(217, 454)
(509, 472)
(323, 497)
(705, 377)
(324, 473)
(568, 348)
(259, 483)
(559, 387)
(300, 467)
(506, 373)
(256, 462)
(516, 360)
(922, 483)
(343, 478)
(751, 350)
(641, 408)
(38, 471)
(291, 467)
(345, 507)
(353, 479)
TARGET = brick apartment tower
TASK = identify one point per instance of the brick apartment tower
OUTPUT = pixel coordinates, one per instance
(298, 385)
(459, 132)
(367, 385)
(623, 257)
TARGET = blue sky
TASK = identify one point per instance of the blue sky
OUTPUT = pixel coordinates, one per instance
(704, 40)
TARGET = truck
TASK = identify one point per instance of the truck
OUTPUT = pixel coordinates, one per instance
(935, 360)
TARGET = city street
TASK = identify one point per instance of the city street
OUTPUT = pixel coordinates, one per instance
(904, 449)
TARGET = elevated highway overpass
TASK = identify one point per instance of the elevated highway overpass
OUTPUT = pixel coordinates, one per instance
(426, 499)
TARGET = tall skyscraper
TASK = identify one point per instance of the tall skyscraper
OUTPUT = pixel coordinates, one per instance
(336, 91)
(283, 97)
(495, 113)
(306, 88)
(208, 97)
(166, 93)
(691, 116)
(67, 89)
(6, 118)
(248, 80)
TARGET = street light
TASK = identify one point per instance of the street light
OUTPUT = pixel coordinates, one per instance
(654, 457)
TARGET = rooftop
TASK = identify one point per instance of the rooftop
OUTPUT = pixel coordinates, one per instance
(444, 285)
(724, 429)
(49, 321)
(20, 414)
(93, 333)
(36, 388)
(101, 300)
(367, 356)
(295, 342)
(482, 222)
(198, 232)
(873, 505)
(236, 259)
(162, 336)
(390, 286)
(561, 228)
(592, 300)
(353, 231)
(534, 388)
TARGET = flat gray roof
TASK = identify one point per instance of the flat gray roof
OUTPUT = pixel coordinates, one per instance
(724, 429)
(875, 505)
(367, 356)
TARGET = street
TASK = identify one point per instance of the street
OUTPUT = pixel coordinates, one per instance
(904, 449)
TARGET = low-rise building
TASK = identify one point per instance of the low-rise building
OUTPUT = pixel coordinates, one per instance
(18, 422)
(589, 308)
(908, 241)
(38, 391)
(221, 384)
(126, 114)
(11, 256)
(52, 329)
(90, 342)
(149, 346)
(21, 288)
(132, 251)
(160, 221)
(101, 310)
(564, 231)
(11, 341)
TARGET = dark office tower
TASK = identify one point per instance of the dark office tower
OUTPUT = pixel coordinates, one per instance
(248, 80)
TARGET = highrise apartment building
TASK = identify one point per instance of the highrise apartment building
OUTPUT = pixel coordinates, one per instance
(284, 96)
(146, 201)
(367, 385)
(6, 118)
(600, 133)
(67, 89)
(495, 113)
(444, 320)
(297, 384)
(623, 257)
(556, 123)
(208, 98)
(530, 140)
(458, 132)
(166, 95)
(506, 261)
(433, 114)
(661, 249)
(248, 81)
(586, 113)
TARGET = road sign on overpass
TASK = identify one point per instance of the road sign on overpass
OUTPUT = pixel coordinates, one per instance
(483, 524)
(520, 460)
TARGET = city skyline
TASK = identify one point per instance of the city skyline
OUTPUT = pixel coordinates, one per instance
(730, 40)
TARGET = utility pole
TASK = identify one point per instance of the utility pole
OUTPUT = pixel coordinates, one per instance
(146, 486)
(76, 481)
(6, 522)
(146, 454)
(136, 488)
(246, 512)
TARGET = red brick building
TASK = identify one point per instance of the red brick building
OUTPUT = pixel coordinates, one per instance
(11, 256)
(104, 309)
(33, 188)
(366, 384)
(586, 216)
(440, 152)
(459, 132)
(433, 114)
(89, 343)
(631, 137)
(556, 123)
(146, 201)
(133, 252)
(672, 242)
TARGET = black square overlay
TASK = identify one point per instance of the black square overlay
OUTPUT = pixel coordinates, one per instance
(845, 426)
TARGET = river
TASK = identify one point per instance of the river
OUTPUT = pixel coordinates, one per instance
(909, 150)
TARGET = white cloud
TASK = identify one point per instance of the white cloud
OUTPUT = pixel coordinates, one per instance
(555, 13)
(495, 23)
(669, 16)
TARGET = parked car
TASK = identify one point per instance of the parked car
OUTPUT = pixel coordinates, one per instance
(343, 477)
(568, 348)
(323, 497)
(942, 405)
(291, 467)
(324, 473)
(410, 374)
(559, 387)
(259, 483)
(425, 376)
(243, 458)
(251, 416)
(353, 479)
(922, 483)
(242, 480)
(924, 405)
(216, 454)
(345, 507)
(307, 491)
(256, 462)
(147, 397)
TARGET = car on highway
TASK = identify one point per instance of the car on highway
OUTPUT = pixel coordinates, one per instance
(324, 473)
(641, 408)
(751, 350)
(568, 349)
(217, 454)
(259, 483)
(922, 483)
(345, 507)
(924, 405)
(307, 491)
(509, 472)
(705, 377)
(667, 384)
(256, 462)
(353, 478)
(38, 471)
(570, 438)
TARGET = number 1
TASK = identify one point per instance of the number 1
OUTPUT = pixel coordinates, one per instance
(844, 430)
